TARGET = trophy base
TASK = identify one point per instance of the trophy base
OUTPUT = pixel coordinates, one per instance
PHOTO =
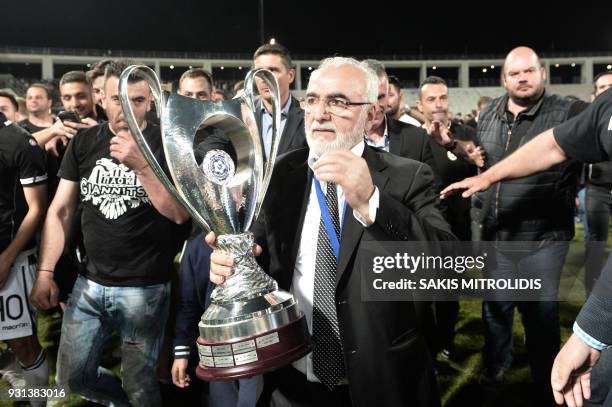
(253, 355)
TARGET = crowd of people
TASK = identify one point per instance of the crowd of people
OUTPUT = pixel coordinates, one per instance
(86, 225)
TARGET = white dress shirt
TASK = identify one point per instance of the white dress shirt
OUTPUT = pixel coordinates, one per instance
(384, 141)
(266, 125)
(406, 118)
(302, 285)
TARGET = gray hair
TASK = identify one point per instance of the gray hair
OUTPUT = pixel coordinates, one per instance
(371, 80)
(377, 66)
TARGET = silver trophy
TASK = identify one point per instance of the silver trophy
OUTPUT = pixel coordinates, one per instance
(251, 326)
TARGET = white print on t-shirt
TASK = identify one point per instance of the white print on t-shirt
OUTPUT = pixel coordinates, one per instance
(610, 124)
(113, 188)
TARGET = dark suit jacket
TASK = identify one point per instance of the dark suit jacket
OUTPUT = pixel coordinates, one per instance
(386, 357)
(409, 141)
(293, 136)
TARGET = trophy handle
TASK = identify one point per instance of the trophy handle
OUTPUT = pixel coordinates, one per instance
(272, 84)
(151, 78)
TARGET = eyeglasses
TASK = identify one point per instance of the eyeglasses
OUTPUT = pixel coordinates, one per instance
(336, 106)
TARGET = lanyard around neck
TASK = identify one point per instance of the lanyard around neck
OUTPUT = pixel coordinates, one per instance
(334, 238)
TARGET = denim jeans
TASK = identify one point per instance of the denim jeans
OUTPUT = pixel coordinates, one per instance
(540, 318)
(138, 315)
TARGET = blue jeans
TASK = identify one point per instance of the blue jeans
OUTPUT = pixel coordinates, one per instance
(540, 318)
(138, 315)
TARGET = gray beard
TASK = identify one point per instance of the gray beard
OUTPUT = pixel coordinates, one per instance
(343, 141)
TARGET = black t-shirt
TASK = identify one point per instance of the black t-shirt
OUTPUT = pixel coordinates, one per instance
(53, 162)
(32, 128)
(588, 136)
(128, 243)
(22, 164)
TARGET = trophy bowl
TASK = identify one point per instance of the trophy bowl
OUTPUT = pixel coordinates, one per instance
(214, 155)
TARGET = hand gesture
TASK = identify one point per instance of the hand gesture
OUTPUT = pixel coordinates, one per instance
(571, 373)
(342, 167)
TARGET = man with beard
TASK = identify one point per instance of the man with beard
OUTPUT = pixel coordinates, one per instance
(577, 373)
(396, 107)
(340, 192)
(132, 231)
(539, 208)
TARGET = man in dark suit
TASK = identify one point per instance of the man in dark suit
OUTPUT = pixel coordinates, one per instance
(276, 59)
(366, 353)
(392, 135)
(404, 140)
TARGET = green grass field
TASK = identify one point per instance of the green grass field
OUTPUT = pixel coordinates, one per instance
(456, 378)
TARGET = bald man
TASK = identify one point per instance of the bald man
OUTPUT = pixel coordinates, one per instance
(538, 208)
(586, 138)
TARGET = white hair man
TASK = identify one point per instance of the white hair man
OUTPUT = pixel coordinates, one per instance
(363, 194)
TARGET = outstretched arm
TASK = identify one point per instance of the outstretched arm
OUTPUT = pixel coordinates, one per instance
(537, 155)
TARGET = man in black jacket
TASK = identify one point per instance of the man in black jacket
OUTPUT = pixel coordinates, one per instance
(538, 208)
(392, 135)
(132, 229)
(586, 138)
